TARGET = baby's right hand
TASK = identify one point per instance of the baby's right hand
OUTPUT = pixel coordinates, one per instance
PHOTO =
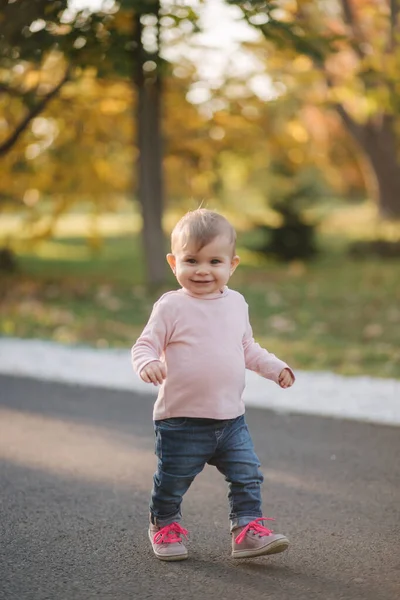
(155, 372)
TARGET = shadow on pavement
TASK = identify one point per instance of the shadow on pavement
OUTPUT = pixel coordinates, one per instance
(76, 466)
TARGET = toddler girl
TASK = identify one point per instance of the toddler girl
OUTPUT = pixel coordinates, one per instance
(196, 346)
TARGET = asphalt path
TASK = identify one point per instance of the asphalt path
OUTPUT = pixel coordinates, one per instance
(76, 468)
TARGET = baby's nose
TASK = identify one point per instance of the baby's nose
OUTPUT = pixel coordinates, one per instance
(202, 269)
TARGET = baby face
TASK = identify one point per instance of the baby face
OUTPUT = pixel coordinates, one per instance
(206, 271)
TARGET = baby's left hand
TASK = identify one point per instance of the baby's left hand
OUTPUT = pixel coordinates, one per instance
(285, 379)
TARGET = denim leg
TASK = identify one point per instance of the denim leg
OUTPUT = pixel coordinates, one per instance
(235, 458)
(181, 456)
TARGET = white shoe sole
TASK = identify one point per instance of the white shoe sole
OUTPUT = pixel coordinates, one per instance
(274, 548)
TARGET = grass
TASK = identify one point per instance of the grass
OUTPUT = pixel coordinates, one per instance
(335, 314)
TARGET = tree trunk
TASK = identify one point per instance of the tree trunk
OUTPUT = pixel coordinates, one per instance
(379, 143)
(150, 175)
(382, 149)
(8, 262)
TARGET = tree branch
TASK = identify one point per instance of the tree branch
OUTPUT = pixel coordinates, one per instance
(350, 20)
(394, 24)
(356, 130)
(36, 110)
(353, 127)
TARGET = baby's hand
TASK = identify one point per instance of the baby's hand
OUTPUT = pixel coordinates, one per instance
(286, 379)
(155, 372)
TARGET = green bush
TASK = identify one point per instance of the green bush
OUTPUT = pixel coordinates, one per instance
(294, 238)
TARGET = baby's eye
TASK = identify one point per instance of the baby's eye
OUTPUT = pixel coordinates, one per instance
(191, 261)
(215, 261)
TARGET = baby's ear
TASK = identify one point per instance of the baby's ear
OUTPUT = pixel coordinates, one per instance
(234, 263)
(171, 261)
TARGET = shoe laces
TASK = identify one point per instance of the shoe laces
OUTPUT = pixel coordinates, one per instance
(170, 534)
(256, 527)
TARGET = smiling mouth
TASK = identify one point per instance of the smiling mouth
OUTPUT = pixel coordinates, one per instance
(197, 281)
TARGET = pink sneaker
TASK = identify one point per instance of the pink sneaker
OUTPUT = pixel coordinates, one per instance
(167, 541)
(256, 540)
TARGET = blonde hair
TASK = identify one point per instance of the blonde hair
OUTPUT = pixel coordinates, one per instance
(201, 227)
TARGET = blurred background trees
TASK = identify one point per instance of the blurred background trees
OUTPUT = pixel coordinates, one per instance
(102, 105)
(117, 117)
(353, 52)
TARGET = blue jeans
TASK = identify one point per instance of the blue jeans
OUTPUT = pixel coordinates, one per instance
(184, 446)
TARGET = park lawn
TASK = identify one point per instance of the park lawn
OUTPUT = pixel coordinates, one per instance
(336, 314)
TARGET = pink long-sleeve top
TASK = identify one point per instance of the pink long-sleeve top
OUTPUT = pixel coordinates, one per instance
(206, 343)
